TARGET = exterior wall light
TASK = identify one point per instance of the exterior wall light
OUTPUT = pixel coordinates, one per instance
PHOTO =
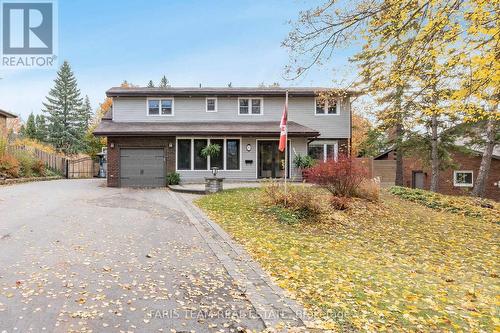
(249, 147)
(112, 145)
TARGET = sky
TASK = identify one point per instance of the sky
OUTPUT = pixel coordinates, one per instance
(191, 42)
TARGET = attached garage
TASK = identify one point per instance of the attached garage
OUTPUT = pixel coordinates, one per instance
(142, 167)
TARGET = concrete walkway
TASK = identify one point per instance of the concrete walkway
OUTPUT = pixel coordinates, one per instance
(76, 256)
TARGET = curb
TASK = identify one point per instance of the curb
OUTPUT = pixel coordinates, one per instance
(13, 181)
(175, 188)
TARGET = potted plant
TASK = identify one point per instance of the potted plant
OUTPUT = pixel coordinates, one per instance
(303, 163)
(212, 184)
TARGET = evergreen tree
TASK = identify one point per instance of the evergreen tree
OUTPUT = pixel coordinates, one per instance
(41, 128)
(30, 130)
(164, 82)
(86, 114)
(63, 108)
(151, 84)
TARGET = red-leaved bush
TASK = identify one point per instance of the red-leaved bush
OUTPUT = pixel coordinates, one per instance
(341, 177)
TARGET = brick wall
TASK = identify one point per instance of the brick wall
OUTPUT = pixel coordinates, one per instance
(113, 173)
(464, 162)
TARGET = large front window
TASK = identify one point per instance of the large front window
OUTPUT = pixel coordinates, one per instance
(184, 154)
(200, 162)
(189, 155)
(323, 150)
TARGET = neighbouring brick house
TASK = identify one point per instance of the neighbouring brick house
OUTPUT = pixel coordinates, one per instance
(3, 121)
(455, 181)
(154, 131)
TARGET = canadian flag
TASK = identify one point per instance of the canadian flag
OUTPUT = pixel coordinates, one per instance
(283, 128)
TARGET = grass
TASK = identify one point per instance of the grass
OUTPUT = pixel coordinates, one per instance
(396, 265)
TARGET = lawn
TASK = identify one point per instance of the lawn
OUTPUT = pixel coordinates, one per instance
(395, 265)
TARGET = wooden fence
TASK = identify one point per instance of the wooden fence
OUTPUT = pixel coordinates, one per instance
(82, 167)
(385, 170)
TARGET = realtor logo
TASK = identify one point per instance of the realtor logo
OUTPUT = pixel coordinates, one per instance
(28, 33)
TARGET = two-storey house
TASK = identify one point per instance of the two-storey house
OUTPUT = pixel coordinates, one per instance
(154, 131)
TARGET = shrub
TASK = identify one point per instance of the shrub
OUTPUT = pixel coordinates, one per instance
(303, 162)
(301, 199)
(3, 145)
(340, 203)
(26, 163)
(463, 205)
(340, 178)
(369, 189)
(173, 178)
(9, 166)
(39, 168)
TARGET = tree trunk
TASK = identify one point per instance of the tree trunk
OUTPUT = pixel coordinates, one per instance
(491, 130)
(399, 155)
(434, 154)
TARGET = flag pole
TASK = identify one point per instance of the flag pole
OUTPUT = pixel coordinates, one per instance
(286, 144)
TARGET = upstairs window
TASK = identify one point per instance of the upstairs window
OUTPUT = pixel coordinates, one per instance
(160, 107)
(154, 107)
(326, 107)
(250, 106)
(463, 178)
(166, 106)
(211, 104)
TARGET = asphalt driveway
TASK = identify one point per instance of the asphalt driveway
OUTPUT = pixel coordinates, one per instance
(77, 256)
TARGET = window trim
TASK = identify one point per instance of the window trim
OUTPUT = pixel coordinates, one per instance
(159, 100)
(216, 104)
(325, 108)
(192, 138)
(250, 106)
(455, 172)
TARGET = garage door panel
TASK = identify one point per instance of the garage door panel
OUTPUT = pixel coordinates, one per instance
(142, 167)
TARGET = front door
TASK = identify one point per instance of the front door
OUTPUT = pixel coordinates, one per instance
(418, 179)
(271, 162)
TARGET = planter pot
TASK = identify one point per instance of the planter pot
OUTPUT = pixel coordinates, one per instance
(213, 184)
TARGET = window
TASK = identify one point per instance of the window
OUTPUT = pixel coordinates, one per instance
(463, 178)
(189, 154)
(184, 154)
(244, 106)
(326, 106)
(211, 104)
(250, 106)
(255, 106)
(154, 107)
(323, 150)
(200, 162)
(161, 107)
(217, 161)
(166, 106)
(233, 154)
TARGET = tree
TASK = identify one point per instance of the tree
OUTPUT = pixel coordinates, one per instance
(360, 128)
(151, 84)
(479, 93)
(401, 40)
(164, 82)
(63, 108)
(41, 128)
(30, 129)
(87, 114)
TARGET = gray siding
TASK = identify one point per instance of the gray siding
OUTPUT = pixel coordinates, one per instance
(301, 110)
(248, 172)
